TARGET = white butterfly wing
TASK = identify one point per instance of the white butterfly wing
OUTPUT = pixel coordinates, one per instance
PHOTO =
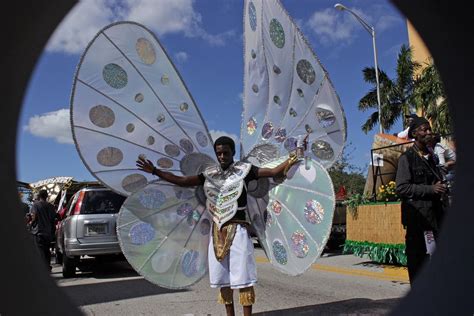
(287, 91)
(288, 94)
(128, 99)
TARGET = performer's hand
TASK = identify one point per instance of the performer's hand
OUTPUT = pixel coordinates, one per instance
(145, 164)
(439, 188)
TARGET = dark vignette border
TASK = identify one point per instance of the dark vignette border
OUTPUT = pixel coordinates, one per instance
(444, 287)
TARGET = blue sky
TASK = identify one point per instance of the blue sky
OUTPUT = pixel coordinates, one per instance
(204, 39)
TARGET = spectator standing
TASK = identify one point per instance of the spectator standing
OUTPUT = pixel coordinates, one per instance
(423, 193)
(42, 225)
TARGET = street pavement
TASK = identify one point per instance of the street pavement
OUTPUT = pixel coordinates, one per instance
(336, 285)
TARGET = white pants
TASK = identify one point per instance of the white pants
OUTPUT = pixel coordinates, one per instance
(238, 269)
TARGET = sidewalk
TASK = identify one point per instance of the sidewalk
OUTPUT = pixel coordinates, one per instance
(336, 262)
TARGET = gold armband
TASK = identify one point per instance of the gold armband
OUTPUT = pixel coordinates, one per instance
(293, 158)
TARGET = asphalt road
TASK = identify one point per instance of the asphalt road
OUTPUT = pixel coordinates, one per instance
(336, 284)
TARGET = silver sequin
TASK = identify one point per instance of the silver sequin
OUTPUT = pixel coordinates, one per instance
(322, 150)
(325, 117)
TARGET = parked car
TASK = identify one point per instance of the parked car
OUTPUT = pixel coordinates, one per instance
(88, 227)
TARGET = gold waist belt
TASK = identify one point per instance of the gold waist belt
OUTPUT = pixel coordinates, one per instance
(222, 239)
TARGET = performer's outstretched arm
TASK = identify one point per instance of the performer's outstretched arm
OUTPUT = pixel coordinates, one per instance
(147, 166)
(278, 171)
(282, 169)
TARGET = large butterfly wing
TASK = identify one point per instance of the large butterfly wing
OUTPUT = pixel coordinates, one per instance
(287, 91)
(164, 234)
(128, 99)
(293, 220)
(288, 94)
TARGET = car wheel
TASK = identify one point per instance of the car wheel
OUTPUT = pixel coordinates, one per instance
(69, 266)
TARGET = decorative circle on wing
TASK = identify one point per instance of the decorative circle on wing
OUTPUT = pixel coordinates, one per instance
(201, 139)
(115, 76)
(252, 16)
(134, 182)
(141, 233)
(145, 51)
(102, 116)
(186, 145)
(195, 163)
(267, 130)
(109, 156)
(258, 188)
(299, 244)
(305, 71)
(322, 150)
(172, 150)
(277, 34)
(279, 252)
(165, 163)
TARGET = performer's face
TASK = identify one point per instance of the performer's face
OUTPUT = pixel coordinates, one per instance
(423, 134)
(224, 155)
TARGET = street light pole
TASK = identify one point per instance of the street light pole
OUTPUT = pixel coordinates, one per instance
(370, 29)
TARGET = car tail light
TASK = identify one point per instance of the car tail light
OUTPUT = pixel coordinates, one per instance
(77, 207)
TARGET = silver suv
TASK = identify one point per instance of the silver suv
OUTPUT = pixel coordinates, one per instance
(88, 227)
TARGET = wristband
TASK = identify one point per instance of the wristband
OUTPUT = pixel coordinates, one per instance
(153, 171)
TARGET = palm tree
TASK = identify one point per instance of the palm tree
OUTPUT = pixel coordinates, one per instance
(430, 99)
(395, 95)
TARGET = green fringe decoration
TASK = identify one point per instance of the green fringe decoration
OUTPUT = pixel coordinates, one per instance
(381, 253)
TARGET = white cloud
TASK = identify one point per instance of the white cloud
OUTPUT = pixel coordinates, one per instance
(386, 22)
(161, 16)
(215, 134)
(333, 27)
(181, 57)
(241, 96)
(51, 125)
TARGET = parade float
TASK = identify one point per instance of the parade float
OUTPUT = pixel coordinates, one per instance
(373, 223)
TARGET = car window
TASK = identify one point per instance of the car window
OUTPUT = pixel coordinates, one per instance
(70, 204)
(101, 202)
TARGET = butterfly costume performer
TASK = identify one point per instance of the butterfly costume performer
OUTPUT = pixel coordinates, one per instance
(128, 100)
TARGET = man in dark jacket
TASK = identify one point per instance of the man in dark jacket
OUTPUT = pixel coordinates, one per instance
(42, 225)
(422, 190)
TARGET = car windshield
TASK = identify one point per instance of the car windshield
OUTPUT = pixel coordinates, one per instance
(101, 202)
